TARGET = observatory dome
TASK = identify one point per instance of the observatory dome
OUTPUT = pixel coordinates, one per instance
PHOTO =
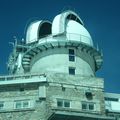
(64, 41)
(76, 31)
(67, 23)
(70, 23)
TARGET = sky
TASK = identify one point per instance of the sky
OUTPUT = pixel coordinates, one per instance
(101, 19)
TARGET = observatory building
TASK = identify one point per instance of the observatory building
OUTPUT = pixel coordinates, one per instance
(52, 75)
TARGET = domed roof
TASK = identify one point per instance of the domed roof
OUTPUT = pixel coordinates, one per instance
(67, 22)
(37, 29)
(33, 28)
(76, 31)
(70, 23)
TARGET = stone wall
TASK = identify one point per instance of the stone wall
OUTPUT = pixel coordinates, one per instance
(75, 96)
(73, 88)
(59, 86)
(10, 94)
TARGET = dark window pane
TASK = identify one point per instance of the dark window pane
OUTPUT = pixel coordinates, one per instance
(71, 58)
(91, 106)
(66, 103)
(71, 52)
(60, 103)
(21, 89)
(18, 105)
(25, 104)
(72, 71)
(84, 106)
(1, 105)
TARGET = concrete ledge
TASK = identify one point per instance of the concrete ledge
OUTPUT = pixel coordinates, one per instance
(58, 115)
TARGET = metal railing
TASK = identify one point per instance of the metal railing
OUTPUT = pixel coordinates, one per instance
(68, 37)
(22, 76)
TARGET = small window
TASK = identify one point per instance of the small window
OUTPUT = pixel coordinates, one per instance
(71, 71)
(71, 55)
(71, 52)
(21, 89)
(84, 106)
(1, 105)
(25, 104)
(18, 105)
(60, 103)
(63, 103)
(66, 103)
(22, 104)
(88, 106)
(71, 58)
(91, 106)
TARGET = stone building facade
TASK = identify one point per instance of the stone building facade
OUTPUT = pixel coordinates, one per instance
(52, 75)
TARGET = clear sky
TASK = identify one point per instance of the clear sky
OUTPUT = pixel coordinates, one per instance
(101, 18)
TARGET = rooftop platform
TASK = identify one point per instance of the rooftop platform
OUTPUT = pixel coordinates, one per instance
(68, 115)
(22, 79)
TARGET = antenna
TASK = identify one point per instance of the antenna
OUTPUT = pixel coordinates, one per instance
(101, 52)
(12, 43)
(97, 47)
(15, 38)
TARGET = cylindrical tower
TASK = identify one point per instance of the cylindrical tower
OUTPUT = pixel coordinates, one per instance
(63, 46)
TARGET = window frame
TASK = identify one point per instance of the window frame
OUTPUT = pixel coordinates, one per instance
(91, 106)
(71, 55)
(84, 106)
(1, 105)
(21, 104)
(88, 106)
(71, 70)
(64, 102)
(59, 103)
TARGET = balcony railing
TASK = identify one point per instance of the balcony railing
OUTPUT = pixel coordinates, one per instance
(22, 76)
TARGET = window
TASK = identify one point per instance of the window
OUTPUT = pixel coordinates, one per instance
(1, 105)
(88, 106)
(91, 106)
(25, 104)
(111, 99)
(71, 55)
(71, 71)
(59, 103)
(18, 105)
(66, 103)
(84, 106)
(22, 104)
(21, 89)
(63, 103)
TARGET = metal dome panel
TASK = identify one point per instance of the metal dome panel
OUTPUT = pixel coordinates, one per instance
(32, 32)
(58, 25)
(36, 30)
(70, 23)
(75, 31)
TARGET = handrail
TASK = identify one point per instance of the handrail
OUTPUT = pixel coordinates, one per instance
(23, 76)
(48, 38)
(67, 35)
